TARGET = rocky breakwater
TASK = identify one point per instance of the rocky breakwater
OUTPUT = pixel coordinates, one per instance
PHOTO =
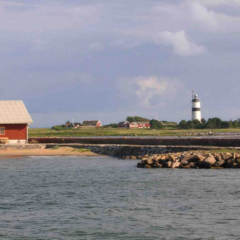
(191, 160)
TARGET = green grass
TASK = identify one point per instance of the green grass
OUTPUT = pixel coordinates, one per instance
(55, 147)
(90, 132)
(84, 150)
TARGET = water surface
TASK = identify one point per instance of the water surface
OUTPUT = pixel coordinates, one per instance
(105, 198)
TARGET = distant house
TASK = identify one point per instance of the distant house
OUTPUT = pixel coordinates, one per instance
(91, 123)
(123, 124)
(139, 125)
(144, 125)
(133, 125)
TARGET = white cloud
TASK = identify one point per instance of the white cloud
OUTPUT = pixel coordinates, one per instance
(201, 14)
(150, 91)
(52, 17)
(220, 2)
(96, 46)
(181, 45)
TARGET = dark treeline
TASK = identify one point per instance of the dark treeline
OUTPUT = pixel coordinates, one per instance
(212, 123)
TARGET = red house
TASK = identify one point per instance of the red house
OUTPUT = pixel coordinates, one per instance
(14, 121)
(139, 125)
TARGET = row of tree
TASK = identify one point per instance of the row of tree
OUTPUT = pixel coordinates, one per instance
(212, 123)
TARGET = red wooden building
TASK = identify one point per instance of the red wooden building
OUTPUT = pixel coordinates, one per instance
(139, 125)
(14, 121)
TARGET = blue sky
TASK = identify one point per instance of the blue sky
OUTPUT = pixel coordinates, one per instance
(101, 59)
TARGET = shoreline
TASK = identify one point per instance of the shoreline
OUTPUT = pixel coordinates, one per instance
(62, 151)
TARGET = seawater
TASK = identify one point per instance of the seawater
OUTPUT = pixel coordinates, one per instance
(106, 198)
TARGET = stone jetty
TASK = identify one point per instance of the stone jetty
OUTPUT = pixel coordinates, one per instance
(168, 156)
(190, 160)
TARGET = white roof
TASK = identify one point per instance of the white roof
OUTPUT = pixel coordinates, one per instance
(14, 112)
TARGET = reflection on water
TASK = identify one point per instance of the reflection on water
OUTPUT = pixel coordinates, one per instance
(106, 198)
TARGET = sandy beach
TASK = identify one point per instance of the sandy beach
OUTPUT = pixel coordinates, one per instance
(62, 151)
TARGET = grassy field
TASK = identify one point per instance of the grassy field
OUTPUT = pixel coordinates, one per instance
(89, 132)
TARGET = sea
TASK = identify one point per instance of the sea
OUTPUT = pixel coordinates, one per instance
(94, 198)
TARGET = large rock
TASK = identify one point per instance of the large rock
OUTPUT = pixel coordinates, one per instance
(193, 165)
(133, 157)
(219, 163)
(226, 156)
(157, 158)
(229, 163)
(176, 165)
(189, 158)
(141, 165)
(211, 160)
(147, 166)
(218, 156)
(172, 158)
(169, 164)
(236, 165)
(149, 161)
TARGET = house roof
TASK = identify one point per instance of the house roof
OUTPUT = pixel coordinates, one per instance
(14, 112)
(89, 123)
(123, 122)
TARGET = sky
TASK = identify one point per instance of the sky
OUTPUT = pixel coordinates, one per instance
(105, 60)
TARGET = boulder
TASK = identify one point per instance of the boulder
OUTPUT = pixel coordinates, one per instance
(185, 166)
(172, 158)
(189, 158)
(193, 165)
(202, 164)
(219, 163)
(157, 158)
(229, 163)
(141, 165)
(133, 157)
(211, 160)
(237, 156)
(147, 166)
(163, 163)
(236, 165)
(226, 156)
(176, 165)
(164, 157)
(218, 156)
(169, 164)
(238, 160)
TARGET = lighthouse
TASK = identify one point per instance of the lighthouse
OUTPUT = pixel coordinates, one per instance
(196, 107)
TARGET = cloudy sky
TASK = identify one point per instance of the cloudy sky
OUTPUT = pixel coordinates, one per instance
(105, 59)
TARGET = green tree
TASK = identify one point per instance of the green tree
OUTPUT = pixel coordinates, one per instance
(225, 124)
(235, 124)
(155, 124)
(203, 121)
(196, 124)
(183, 124)
(190, 124)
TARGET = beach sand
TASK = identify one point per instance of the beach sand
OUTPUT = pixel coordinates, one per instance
(62, 151)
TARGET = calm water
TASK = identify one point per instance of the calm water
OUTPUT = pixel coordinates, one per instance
(106, 198)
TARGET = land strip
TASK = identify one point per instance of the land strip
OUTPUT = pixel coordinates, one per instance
(95, 132)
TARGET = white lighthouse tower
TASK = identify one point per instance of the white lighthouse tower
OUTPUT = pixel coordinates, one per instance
(196, 107)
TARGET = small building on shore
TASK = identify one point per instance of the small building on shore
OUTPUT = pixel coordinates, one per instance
(14, 122)
(91, 123)
(123, 124)
(139, 125)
